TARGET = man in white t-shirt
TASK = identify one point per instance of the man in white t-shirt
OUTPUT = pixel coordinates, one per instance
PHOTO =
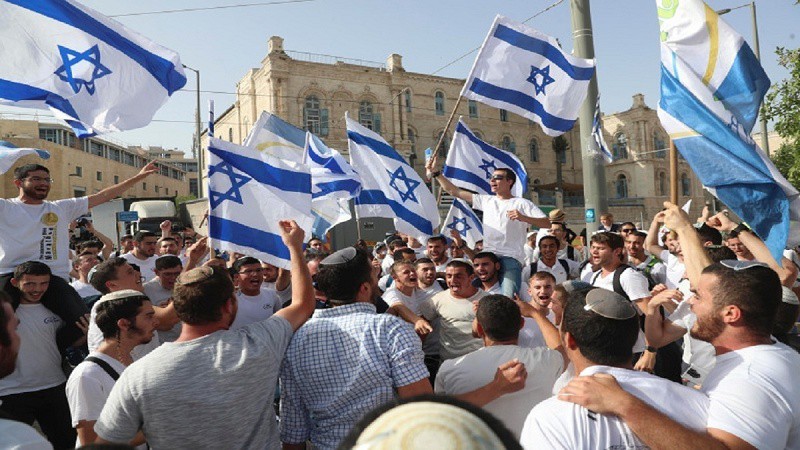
(82, 264)
(255, 304)
(487, 270)
(144, 253)
(563, 269)
(437, 252)
(598, 330)
(753, 402)
(426, 277)
(648, 265)
(127, 319)
(505, 222)
(541, 288)
(159, 290)
(498, 321)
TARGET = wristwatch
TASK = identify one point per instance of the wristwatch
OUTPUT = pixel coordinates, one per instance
(650, 349)
(436, 174)
(741, 227)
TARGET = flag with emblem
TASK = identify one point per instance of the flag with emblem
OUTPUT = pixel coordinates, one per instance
(248, 193)
(471, 162)
(597, 134)
(711, 88)
(10, 153)
(390, 187)
(463, 220)
(524, 71)
(277, 137)
(89, 70)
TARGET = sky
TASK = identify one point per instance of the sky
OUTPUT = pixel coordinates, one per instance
(224, 43)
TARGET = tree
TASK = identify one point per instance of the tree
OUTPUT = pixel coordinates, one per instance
(560, 146)
(782, 106)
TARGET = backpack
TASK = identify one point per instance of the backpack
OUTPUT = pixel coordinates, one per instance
(563, 262)
(647, 271)
(616, 284)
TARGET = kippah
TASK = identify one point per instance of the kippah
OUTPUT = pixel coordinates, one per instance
(609, 304)
(342, 256)
(789, 297)
(120, 295)
(195, 275)
(575, 285)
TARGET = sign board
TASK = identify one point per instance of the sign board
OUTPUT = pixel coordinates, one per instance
(127, 216)
(590, 217)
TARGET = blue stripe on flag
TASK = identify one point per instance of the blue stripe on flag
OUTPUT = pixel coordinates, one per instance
(285, 180)
(520, 100)
(469, 177)
(160, 68)
(18, 92)
(245, 236)
(545, 49)
(494, 152)
(376, 146)
(376, 197)
(461, 206)
(743, 87)
(335, 186)
(327, 162)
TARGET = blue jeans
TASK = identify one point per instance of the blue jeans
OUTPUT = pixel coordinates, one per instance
(510, 276)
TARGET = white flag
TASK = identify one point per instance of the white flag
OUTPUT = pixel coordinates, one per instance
(10, 153)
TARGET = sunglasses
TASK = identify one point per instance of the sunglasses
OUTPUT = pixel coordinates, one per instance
(498, 177)
(627, 230)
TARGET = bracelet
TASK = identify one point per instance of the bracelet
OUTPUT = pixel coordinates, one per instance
(650, 349)
(741, 227)
(436, 174)
(463, 245)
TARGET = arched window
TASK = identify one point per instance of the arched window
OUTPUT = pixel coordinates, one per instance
(408, 100)
(311, 114)
(368, 117)
(412, 137)
(508, 144)
(503, 115)
(533, 147)
(620, 146)
(686, 187)
(621, 185)
(660, 145)
(661, 186)
(438, 103)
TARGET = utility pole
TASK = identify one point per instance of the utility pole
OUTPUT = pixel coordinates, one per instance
(198, 130)
(764, 139)
(594, 175)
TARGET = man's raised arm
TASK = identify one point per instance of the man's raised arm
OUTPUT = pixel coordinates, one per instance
(451, 188)
(302, 306)
(118, 189)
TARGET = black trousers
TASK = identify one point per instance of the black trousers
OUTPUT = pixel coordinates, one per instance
(49, 407)
(60, 298)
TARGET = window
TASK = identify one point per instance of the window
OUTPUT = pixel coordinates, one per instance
(128, 158)
(438, 103)
(412, 137)
(99, 176)
(368, 117)
(660, 146)
(144, 186)
(503, 115)
(407, 98)
(48, 135)
(114, 154)
(533, 147)
(78, 171)
(96, 148)
(311, 115)
(686, 187)
(473, 109)
(230, 134)
(620, 146)
(662, 184)
(442, 150)
(116, 179)
(156, 188)
(508, 145)
(621, 185)
(78, 191)
(193, 187)
(166, 191)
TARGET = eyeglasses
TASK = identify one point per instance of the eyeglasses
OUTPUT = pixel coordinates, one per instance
(39, 180)
(741, 265)
(498, 177)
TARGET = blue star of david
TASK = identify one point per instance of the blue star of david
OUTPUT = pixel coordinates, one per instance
(486, 166)
(410, 184)
(460, 221)
(233, 194)
(544, 75)
(70, 58)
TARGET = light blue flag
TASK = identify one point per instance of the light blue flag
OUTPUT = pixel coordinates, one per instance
(471, 162)
(333, 184)
(249, 192)
(89, 70)
(10, 153)
(277, 137)
(211, 118)
(390, 187)
(524, 71)
(463, 220)
(711, 89)
(597, 134)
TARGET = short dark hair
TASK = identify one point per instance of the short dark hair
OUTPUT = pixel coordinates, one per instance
(397, 264)
(106, 271)
(421, 261)
(31, 268)
(200, 302)
(438, 237)
(542, 275)
(561, 224)
(628, 223)
(499, 317)
(88, 244)
(110, 311)
(638, 234)
(5, 338)
(719, 253)
(394, 243)
(709, 234)
(510, 175)
(733, 234)
(244, 261)
(125, 237)
(23, 171)
(601, 340)
(142, 234)
(492, 257)
(314, 238)
(463, 264)
(340, 282)
(398, 254)
(548, 237)
(756, 291)
(613, 240)
(168, 262)
(167, 239)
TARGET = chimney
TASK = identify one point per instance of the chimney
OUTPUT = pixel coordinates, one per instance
(638, 101)
(275, 45)
(394, 63)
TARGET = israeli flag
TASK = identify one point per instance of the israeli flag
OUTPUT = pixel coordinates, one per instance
(597, 134)
(89, 70)
(524, 71)
(711, 89)
(389, 186)
(10, 153)
(464, 221)
(471, 162)
(333, 184)
(249, 192)
(276, 137)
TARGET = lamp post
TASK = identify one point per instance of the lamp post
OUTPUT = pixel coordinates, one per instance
(198, 144)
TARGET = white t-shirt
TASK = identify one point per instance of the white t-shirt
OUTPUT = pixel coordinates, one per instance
(675, 268)
(502, 236)
(456, 315)
(557, 270)
(431, 290)
(88, 388)
(255, 308)
(476, 369)
(19, 436)
(147, 266)
(634, 284)
(658, 272)
(95, 337)
(39, 361)
(699, 355)
(84, 289)
(556, 424)
(159, 296)
(754, 395)
(430, 345)
(530, 336)
(38, 233)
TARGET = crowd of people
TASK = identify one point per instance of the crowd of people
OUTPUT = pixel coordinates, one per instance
(680, 336)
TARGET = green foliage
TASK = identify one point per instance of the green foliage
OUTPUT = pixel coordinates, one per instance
(184, 198)
(782, 105)
(560, 144)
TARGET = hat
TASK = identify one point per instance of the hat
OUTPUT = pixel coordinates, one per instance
(120, 295)
(195, 275)
(342, 256)
(609, 304)
(557, 215)
(789, 297)
(575, 285)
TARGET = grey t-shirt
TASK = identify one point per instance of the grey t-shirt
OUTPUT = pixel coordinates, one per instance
(211, 392)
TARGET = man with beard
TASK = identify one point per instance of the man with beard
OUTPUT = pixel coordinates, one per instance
(541, 288)
(126, 319)
(753, 402)
(40, 230)
(437, 252)
(487, 267)
(426, 277)
(144, 253)
(229, 389)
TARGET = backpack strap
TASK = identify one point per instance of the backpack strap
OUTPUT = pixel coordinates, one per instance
(571, 252)
(617, 283)
(105, 366)
(565, 265)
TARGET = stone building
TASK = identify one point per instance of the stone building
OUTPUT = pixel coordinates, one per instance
(410, 111)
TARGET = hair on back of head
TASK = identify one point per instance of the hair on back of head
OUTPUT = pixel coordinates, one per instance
(341, 282)
(499, 317)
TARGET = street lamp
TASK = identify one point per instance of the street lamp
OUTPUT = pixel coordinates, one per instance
(757, 51)
(198, 144)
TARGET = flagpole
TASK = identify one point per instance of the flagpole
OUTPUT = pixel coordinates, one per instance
(439, 143)
(355, 207)
(673, 172)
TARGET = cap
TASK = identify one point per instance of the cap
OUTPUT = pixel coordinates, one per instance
(557, 215)
(195, 275)
(342, 256)
(575, 285)
(120, 295)
(609, 304)
(789, 297)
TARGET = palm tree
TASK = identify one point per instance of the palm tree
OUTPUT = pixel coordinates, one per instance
(560, 146)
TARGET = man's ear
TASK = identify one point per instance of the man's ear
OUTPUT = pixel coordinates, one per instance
(124, 324)
(569, 341)
(521, 322)
(15, 283)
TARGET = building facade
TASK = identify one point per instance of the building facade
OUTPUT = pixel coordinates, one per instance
(410, 110)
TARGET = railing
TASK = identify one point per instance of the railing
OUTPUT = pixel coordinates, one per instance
(332, 59)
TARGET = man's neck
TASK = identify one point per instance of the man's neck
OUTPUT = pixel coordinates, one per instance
(610, 267)
(139, 255)
(29, 200)
(582, 364)
(549, 262)
(637, 259)
(192, 332)
(488, 284)
(250, 293)
(119, 350)
(422, 285)
(25, 301)
(405, 290)
(471, 293)
(439, 261)
(488, 342)
(83, 277)
(726, 343)
(504, 196)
